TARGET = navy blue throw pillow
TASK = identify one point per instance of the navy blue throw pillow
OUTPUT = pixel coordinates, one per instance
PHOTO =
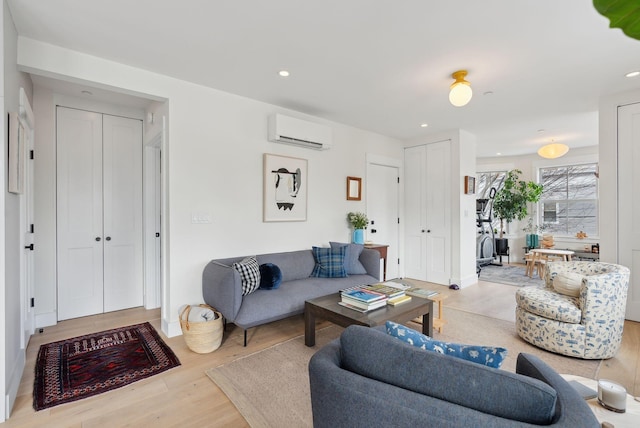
(270, 276)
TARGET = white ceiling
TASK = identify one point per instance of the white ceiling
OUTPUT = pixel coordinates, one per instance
(380, 65)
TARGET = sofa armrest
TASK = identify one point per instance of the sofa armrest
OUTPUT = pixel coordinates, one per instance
(573, 410)
(370, 259)
(222, 289)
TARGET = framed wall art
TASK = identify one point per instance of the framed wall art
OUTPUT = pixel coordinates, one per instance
(16, 154)
(354, 188)
(285, 188)
(469, 185)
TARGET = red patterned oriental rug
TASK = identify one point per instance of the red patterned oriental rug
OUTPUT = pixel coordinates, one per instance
(85, 366)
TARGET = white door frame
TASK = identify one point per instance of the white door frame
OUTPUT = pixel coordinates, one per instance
(27, 122)
(153, 221)
(373, 159)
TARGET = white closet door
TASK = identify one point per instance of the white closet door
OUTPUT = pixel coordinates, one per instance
(428, 212)
(122, 161)
(79, 219)
(438, 206)
(415, 255)
(629, 202)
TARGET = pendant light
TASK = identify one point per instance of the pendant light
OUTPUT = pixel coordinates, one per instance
(553, 150)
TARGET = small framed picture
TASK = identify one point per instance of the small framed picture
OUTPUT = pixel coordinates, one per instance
(469, 185)
(354, 188)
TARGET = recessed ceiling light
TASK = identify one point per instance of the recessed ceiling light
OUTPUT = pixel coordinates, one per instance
(498, 154)
(424, 125)
(87, 92)
(488, 93)
(541, 131)
(633, 74)
(284, 73)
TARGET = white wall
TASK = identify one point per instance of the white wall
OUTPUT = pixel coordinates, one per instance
(214, 156)
(529, 165)
(12, 354)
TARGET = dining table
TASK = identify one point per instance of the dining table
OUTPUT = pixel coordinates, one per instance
(539, 256)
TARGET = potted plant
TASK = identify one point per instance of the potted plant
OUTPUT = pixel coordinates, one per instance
(359, 222)
(511, 201)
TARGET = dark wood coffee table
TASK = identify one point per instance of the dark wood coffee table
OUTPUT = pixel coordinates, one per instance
(327, 308)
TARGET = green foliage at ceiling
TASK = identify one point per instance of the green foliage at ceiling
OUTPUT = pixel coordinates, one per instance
(623, 14)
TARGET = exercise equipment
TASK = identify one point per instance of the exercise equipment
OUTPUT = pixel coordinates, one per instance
(485, 242)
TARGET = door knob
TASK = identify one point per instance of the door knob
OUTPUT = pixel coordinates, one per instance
(98, 238)
(422, 230)
(373, 230)
(108, 238)
(428, 230)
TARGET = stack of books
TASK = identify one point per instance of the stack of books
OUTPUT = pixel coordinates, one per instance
(368, 297)
(361, 299)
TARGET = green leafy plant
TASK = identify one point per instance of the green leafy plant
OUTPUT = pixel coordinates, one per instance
(511, 200)
(623, 14)
(358, 220)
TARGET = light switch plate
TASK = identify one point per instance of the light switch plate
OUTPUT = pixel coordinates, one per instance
(200, 218)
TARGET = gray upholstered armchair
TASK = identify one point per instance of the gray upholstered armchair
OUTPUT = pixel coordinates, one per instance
(586, 325)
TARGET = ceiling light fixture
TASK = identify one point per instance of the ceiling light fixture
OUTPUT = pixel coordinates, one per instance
(284, 73)
(424, 125)
(553, 150)
(633, 74)
(460, 93)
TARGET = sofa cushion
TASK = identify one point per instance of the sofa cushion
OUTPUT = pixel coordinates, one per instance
(376, 355)
(270, 276)
(329, 262)
(249, 271)
(548, 304)
(568, 283)
(351, 258)
(486, 355)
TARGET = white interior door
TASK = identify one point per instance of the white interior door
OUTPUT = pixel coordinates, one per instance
(438, 209)
(628, 202)
(79, 213)
(27, 281)
(382, 209)
(99, 221)
(122, 206)
(415, 241)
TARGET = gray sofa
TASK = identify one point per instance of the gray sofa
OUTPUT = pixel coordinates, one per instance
(222, 288)
(367, 378)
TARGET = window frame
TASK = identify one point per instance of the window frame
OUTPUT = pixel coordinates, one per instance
(540, 204)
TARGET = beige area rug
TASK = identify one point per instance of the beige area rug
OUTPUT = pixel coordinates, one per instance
(271, 387)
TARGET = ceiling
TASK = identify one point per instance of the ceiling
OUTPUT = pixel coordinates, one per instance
(537, 68)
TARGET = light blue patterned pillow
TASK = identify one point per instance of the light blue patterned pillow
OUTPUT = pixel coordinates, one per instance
(329, 262)
(485, 355)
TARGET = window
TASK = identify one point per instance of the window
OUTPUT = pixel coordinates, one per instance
(484, 182)
(569, 202)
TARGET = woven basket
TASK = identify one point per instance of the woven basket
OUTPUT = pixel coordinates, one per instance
(201, 337)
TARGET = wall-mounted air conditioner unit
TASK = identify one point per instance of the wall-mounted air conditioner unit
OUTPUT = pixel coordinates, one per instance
(289, 130)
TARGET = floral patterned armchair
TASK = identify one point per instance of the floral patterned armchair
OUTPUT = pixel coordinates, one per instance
(588, 326)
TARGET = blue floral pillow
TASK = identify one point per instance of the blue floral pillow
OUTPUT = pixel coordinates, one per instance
(329, 262)
(485, 355)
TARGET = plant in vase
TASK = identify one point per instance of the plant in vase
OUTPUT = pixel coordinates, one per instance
(359, 222)
(511, 200)
(531, 231)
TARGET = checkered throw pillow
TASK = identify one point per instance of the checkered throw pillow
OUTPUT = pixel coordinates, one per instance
(329, 262)
(249, 271)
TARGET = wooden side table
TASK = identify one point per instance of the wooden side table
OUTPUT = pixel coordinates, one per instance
(382, 249)
(439, 322)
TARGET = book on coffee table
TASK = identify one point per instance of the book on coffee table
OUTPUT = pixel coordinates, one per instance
(363, 294)
(420, 292)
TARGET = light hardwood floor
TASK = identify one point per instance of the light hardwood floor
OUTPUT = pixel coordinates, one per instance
(185, 396)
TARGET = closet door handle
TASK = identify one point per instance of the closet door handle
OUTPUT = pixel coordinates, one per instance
(108, 238)
(98, 239)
